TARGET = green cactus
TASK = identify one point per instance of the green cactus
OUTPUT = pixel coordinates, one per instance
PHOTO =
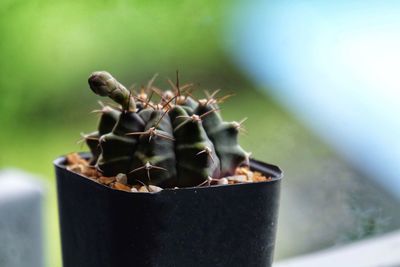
(178, 142)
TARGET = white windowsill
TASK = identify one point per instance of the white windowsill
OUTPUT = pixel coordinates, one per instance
(382, 251)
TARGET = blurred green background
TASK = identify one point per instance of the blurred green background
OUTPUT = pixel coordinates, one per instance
(49, 48)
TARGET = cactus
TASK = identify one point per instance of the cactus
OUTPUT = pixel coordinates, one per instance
(178, 142)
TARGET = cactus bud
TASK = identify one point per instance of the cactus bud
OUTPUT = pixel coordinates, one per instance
(103, 83)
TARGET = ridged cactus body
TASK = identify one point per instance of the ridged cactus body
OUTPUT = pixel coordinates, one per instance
(108, 119)
(179, 142)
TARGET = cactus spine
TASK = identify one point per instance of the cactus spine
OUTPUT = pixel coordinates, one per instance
(178, 142)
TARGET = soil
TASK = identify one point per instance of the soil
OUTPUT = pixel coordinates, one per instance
(82, 166)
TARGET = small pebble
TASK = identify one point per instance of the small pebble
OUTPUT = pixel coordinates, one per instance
(237, 178)
(143, 189)
(75, 158)
(122, 187)
(89, 172)
(223, 181)
(154, 188)
(75, 168)
(137, 186)
(250, 175)
(106, 180)
(121, 178)
(258, 177)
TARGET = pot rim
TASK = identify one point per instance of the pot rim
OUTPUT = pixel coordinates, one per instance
(275, 173)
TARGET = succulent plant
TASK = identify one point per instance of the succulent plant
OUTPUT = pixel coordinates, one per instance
(178, 142)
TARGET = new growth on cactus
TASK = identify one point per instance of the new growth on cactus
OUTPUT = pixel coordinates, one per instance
(180, 141)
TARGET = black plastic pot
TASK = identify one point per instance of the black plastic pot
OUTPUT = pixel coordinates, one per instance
(228, 225)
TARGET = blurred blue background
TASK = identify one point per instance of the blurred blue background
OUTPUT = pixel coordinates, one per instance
(335, 65)
(316, 79)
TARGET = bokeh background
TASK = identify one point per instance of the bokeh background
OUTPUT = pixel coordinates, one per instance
(49, 48)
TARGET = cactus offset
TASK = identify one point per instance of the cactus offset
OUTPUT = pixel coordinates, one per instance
(179, 142)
